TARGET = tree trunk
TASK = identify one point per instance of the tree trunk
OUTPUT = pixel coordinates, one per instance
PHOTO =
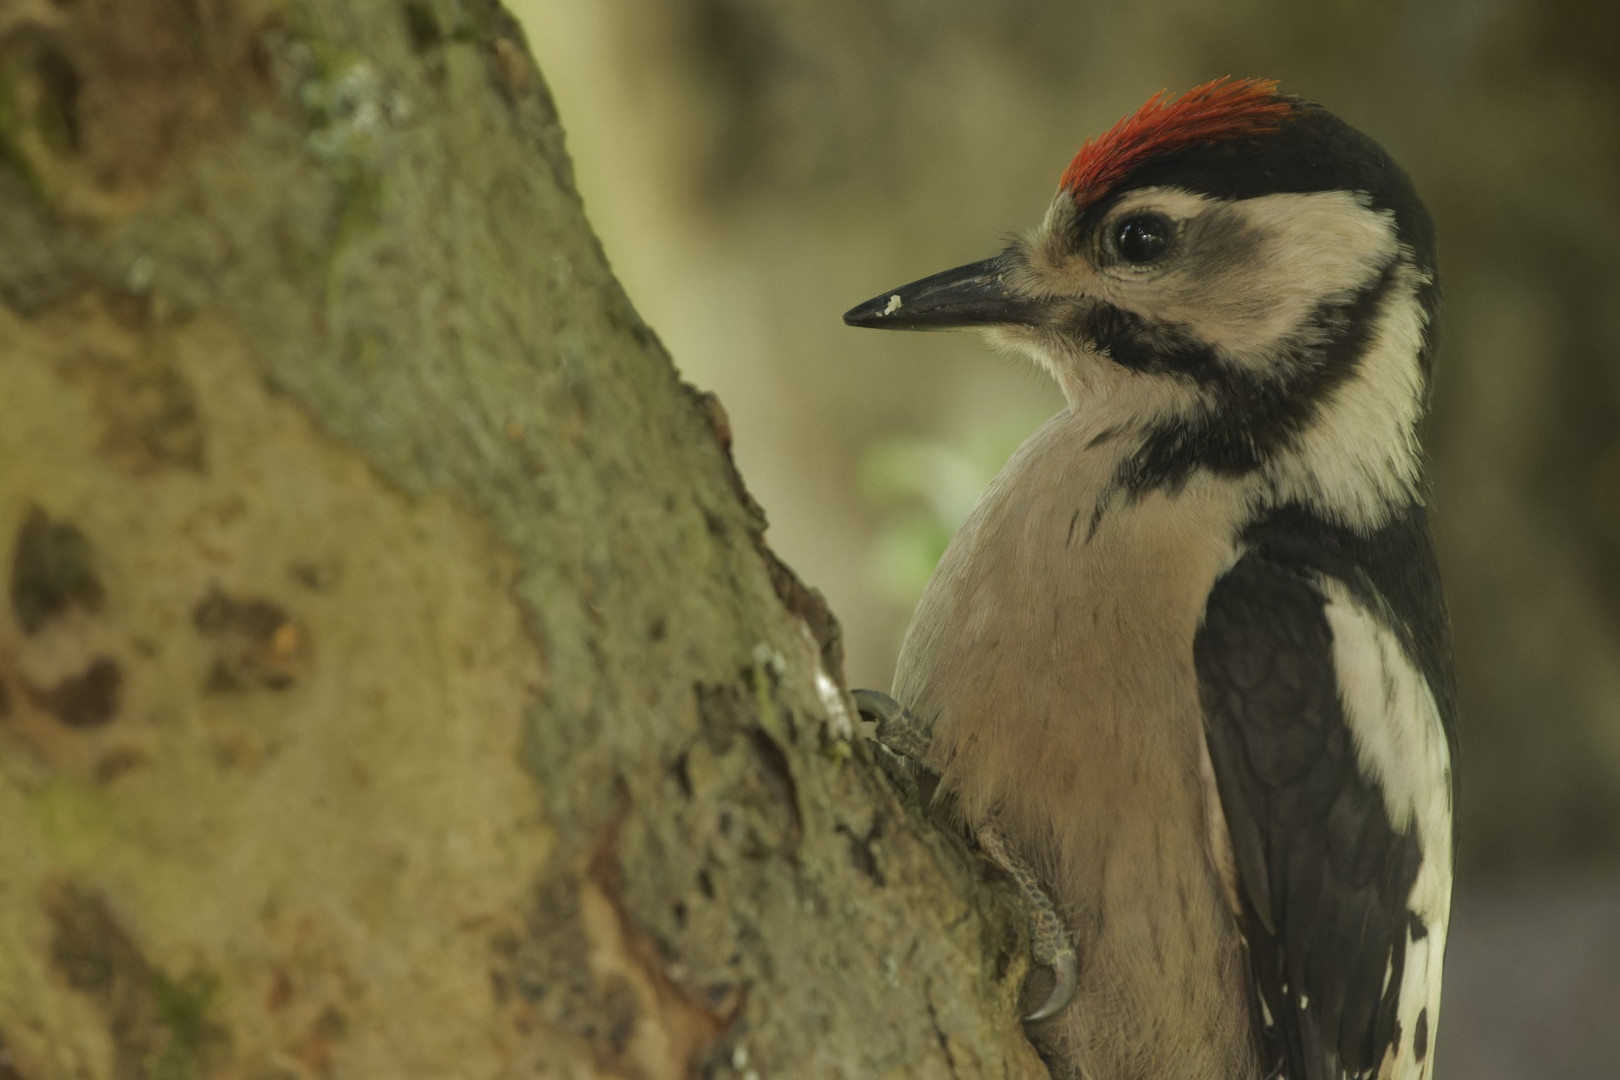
(393, 678)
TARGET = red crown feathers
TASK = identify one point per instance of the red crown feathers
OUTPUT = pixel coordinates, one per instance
(1220, 109)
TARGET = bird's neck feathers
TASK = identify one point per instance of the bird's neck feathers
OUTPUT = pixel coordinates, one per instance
(1357, 461)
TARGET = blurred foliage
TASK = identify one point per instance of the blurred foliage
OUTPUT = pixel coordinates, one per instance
(922, 491)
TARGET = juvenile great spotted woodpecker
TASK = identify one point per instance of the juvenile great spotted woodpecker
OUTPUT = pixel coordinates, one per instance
(1185, 671)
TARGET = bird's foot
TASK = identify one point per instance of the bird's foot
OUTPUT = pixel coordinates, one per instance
(1049, 942)
(900, 730)
(904, 739)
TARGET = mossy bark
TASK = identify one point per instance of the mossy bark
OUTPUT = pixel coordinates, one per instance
(393, 679)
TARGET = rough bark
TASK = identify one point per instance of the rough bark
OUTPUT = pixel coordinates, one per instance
(393, 678)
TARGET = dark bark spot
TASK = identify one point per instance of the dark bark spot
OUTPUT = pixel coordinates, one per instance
(157, 1025)
(944, 1041)
(723, 710)
(5, 701)
(8, 1067)
(730, 724)
(705, 884)
(1420, 1035)
(260, 646)
(682, 773)
(546, 962)
(776, 773)
(88, 948)
(218, 613)
(128, 92)
(422, 27)
(88, 699)
(115, 763)
(331, 1024)
(51, 570)
(319, 1047)
(58, 116)
(860, 854)
(619, 1012)
(314, 576)
(500, 986)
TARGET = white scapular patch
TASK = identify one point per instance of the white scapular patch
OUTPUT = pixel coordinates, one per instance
(1400, 743)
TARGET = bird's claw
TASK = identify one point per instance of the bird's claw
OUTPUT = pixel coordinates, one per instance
(1049, 943)
(875, 705)
(898, 728)
(1065, 967)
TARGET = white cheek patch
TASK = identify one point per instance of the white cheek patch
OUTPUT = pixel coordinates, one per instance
(1295, 253)
(1399, 741)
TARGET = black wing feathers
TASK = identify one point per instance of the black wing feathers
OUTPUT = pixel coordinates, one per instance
(1323, 875)
(1394, 568)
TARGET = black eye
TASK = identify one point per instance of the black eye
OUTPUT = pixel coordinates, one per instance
(1142, 238)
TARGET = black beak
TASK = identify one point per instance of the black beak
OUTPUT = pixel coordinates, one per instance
(973, 295)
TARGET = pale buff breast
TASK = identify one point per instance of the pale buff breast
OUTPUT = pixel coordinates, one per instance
(1053, 653)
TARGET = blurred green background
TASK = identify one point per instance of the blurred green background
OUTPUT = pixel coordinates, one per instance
(755, 167)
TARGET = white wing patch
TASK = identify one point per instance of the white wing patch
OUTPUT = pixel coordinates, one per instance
(1400, 743)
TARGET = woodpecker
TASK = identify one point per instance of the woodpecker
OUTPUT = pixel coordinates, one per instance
(1186, 668)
